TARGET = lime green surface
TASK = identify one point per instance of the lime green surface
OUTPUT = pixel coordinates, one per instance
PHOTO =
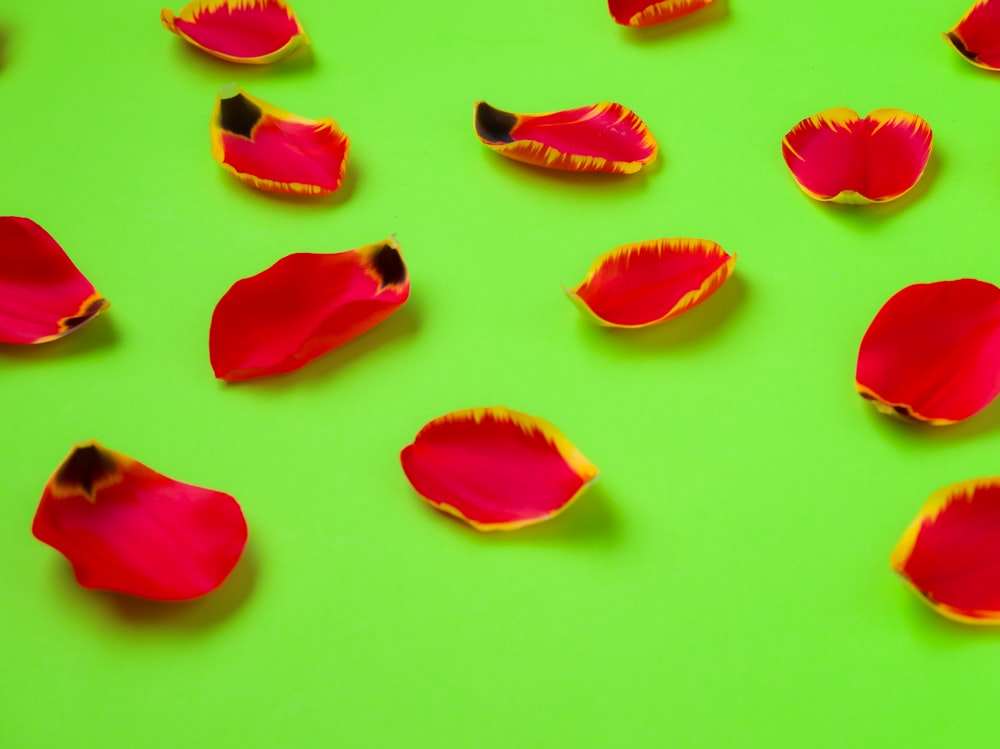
(725, 584)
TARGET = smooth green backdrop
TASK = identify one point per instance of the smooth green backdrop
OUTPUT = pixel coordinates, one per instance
(725, 583)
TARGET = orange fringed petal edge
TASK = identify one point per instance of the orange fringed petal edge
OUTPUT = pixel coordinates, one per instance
(275, 150)
(603, 137)
(949, 554)
(124, 527)
(648, 282)
(650, 12)
(977, 35)
(43, 295)
(247, 31)
(495, 468)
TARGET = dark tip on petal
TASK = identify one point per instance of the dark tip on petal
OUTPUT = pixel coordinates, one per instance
(903, 411)
(94, 306)
(868, 396)
(960, 46)
(494, 125)
(238, 115)
(388, 264)
(84, 469)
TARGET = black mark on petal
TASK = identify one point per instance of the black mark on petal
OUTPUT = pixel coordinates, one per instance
(494, 125)
(960, 46)
(85, 468)
(238, 115)
(389, 267)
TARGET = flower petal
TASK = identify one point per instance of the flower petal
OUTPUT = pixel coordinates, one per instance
(977, 35)
(43, 296)
(649, 12)
(932, 352)
(648, 282)
(250, 31)
(495, 468)
(275, 150)
(836, 155)
(603, 137)
(124, 527)
(950, 554)
(303, 306)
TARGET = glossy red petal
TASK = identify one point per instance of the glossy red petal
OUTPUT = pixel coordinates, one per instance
(649, 12)
(838, 156)
(124, 527)
(43, 296)
(250, 31)
(303, 306)
(950, 554)
(648, 282)
(495, 468)
(977, 35)
(275, 150)
(603, 137)
(932, 352)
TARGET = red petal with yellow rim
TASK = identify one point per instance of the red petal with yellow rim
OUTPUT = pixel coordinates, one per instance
(837, 155)
(250, 31)
(950, 554)
(932, 353)
(275, 150)
(303, 306)
(977, 35)
(648, 282)
(649, 12)
(124, 527)
(43, 296)
(603, 137)
(495, 468)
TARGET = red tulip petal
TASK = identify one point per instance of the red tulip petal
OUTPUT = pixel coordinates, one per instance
(43, 296)
(950, 554)
(933, 351)
(649, 12)
(303, 306)
(275, 150)
(977, 35)
(648, 282)
(600, 138)
(495, 468)
(127, 528)
(837, 156)
(251, 31)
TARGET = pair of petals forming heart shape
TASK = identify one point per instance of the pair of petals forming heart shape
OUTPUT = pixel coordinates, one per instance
(43, 295)
(839, 156)
(126, 528)
(247, 31)
(932, 353)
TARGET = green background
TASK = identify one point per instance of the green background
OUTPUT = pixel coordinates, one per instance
(726, 581)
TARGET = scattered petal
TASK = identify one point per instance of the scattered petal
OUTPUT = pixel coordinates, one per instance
(835, 155)
(603, 137)
(932, 353)
(977, 35)
(950, 554)
(303, 306)
(275, 150)
(649, 12)
(648, 282)
(43, 296)
(124, 527)
(494, 468)
(251, 31)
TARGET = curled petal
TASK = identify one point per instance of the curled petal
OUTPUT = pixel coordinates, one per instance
(648, 282)
(275, 150)
(124, 527)
(836, 155)
(649, 12)
(977, 35)
(303, 306)
(494, 468)
(43, 296)
(932, 353)
(603, 137)
(251, 31)
(950, 553)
